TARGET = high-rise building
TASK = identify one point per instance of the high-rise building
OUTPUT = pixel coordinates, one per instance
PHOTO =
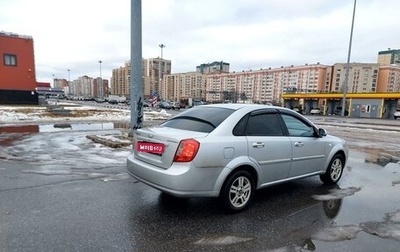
(265, 85)
(121, 79)
(153, 71)
(156, 69)
(389, 79)
(214, 67)
(181, 86)
(363, 77)
(389, 57)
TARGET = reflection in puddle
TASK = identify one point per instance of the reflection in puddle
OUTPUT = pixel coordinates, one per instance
(337, 193)
(62, 127)
(9, 134)
(75, 127)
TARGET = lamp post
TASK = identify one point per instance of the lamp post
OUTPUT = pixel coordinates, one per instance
(160, 63)
(69, 84)
(346, 80)
(162, 46)
(101, 82)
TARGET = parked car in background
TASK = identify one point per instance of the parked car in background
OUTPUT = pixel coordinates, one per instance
(338, 111)
(397, 114)
(163, 105)
(316, 111)
(175, 105)
(231, 150)
(298, 110)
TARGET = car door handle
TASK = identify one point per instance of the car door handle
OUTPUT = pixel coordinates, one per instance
(258, 145)
(298, 144)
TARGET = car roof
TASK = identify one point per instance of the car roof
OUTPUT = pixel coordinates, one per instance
(236, 106)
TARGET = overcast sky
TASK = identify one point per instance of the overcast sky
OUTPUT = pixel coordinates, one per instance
(248, 34)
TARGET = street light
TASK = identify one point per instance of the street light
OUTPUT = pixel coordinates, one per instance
(346, 80)
(162, 46)
(159, 68)
(69, 84)
(101, 81)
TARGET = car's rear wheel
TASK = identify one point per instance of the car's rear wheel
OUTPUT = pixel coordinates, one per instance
(237, 191)
(334, 171)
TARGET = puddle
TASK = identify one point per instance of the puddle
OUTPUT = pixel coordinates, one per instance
(337, 193)
(31, 129)
(9, 134)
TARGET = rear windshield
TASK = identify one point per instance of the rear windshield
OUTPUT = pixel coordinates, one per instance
(201, 119)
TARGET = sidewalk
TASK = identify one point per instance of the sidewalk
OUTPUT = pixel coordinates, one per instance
(365, 123)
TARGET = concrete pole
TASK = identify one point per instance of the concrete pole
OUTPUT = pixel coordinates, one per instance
(100, 85)
(346, 80)
(136, 66)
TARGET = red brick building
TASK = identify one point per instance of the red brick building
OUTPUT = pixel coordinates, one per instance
(17, 69)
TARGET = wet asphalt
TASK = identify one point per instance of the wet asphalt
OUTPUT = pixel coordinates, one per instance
(59, 191)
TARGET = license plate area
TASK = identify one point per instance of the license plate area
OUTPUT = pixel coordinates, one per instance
(148, 147)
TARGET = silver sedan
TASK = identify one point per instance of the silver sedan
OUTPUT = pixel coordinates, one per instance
(231, 150)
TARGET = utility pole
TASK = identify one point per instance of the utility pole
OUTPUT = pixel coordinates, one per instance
(346, 80)
(101, 82)
(136, 84)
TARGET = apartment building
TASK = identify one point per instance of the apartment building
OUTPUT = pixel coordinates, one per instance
(389, 79)
(362, 78)
(121, 79)
(17, 67)
(153, 71)
(156, 69)
(214, 67)
(182, 86)
(389, 57)
(265, 85)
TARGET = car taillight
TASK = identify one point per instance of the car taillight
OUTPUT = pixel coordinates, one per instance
(187, 150)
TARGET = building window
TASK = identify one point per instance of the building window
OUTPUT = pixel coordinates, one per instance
(10, 60)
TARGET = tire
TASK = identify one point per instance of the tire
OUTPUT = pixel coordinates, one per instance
(237, 191)
(334, 171)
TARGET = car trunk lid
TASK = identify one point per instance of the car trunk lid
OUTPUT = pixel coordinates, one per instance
(158, 145)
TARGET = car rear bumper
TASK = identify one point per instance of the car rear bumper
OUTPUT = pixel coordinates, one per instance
(181, 179)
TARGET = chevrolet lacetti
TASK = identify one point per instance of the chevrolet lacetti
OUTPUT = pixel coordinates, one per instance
(231, 150)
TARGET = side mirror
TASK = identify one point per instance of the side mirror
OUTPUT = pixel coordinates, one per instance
(322, 132)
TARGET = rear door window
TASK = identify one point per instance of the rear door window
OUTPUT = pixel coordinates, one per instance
(201, 119)
(259, 124)
(266, 124)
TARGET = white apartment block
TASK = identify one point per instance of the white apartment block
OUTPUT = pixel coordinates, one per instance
(82, 87)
